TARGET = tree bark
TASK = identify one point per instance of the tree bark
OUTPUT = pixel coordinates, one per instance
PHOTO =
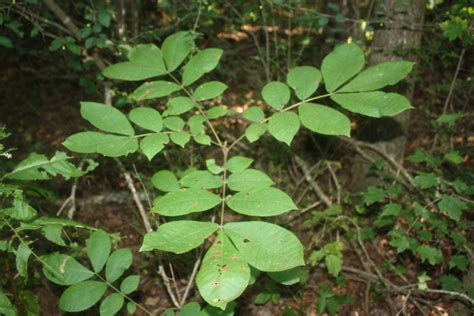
(398, 35)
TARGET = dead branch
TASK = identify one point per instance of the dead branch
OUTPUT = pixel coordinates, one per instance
(317, 189)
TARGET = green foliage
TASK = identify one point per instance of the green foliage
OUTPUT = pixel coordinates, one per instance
(119, 261)
(178, 236)
(324, 120)
(146, 61)
(185, 201)
(261, 201)
(284, 126)
(82, 296)
(224, 274)
(225, 270)
(304, 80)
(332, 255)
(276, 250)
(38, 167)
(329, 301)
(98, 249)
(276, 94)
(373, 104)
(341, 65)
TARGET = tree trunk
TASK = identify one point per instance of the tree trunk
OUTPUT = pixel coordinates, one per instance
(397, 36)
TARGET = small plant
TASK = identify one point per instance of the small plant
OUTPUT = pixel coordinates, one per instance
(229, 182)
(426, 214)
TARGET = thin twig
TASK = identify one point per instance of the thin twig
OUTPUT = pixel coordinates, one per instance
(71, 200)
(174, 282)
(136, 197)
(336, 182)
(191, 281)
(317, 189)
(166, 282)
(453, 82)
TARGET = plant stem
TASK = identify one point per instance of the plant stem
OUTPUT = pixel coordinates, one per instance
(123, 294)
(225, 152)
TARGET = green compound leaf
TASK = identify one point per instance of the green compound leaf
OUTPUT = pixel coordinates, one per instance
(453, 207)
(147, 118)
(178, 236)
(185, 201)
(154, 89)
(105, 144)
(106, 118)
(209, 90)
(248, 179)
(426, 180)
(333, 264)
(65, 270)
(460, 262)
(261, 202)
(284, 126)
(129, 284)
(165, 181)
(174, 123)
(276, 94)
(176, 48)
(213, 167)
(224, 274)
(22, 254)
(216, 112)
(201, 63)
(430, 254)
(324, 120)
(238, 163)
(379, 76)
(98, 249)
(196, 124)
(373, 104)
(119, 261)
(304, 80)
(82, 296)
(201, 179)
(287, 277)
(189, 309)
(341, 65)
(179, 105)
(131, 308)
(267, 247)
(180, 138)
(202, 139)
(53, 233)
(153, 144)
(38, 167)
(6, 306)
(146, 61)
(255, 131)
(111, 305)
(254, 114)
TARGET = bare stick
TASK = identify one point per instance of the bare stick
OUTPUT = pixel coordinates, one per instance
(453, 82)
(166, 282)
(319, 192)
(174, 281)
(336, 182)
(71, 200)
(191, 281)
(136, 197)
